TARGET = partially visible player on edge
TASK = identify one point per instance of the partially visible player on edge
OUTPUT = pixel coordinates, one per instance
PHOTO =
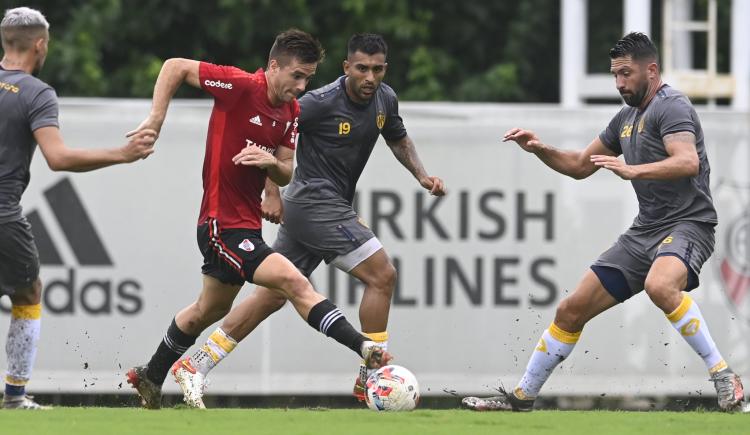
(339, 126)
(28, 116)
(251, 136)
(660, 137)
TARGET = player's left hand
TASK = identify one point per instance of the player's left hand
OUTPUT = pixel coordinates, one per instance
(272, 209)
(435, 185)
(614, 164)
(252, 155)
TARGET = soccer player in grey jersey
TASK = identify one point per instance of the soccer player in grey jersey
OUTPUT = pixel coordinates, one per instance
(339, 125)
(28, 109)
(660, 137)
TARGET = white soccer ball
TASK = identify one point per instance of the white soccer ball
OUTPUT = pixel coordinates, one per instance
(392, 388)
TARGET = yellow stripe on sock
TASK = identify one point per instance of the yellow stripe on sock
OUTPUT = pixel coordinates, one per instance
(681, 309)
(206, 348)
(563, 336)
(518, 392)
(377, 337)
(26, 312)
(223, 341)
(16, 382)
(718, 367)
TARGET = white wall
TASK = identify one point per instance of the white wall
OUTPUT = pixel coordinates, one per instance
(145, 215)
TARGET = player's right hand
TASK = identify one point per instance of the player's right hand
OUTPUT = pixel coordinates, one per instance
(527, 139)
(149, 123)
(140, 145)
(271, 209)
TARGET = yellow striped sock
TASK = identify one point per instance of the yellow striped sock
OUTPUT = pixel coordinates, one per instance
(26, 312)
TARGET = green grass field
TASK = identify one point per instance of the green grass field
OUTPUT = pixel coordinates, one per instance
(115, 421)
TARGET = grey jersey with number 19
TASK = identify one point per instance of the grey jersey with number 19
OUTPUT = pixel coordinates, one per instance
(337, 136)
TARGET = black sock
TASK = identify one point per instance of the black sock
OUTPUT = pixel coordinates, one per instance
(174, 344)
(328, 319)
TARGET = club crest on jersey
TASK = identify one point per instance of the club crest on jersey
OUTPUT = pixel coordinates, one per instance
(380, 120)
(247, 245)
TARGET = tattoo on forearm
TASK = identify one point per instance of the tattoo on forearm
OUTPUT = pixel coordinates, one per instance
(406, 153)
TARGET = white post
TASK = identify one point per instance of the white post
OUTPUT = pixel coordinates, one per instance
(682, 59)
(572, 51)
(637, 16)
(740, 67)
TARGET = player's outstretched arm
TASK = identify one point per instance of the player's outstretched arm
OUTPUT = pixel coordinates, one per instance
(573, 163)
(173, 73)
(62, 158)
(406, 153)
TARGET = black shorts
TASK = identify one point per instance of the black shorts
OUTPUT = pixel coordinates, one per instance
(231, 255)
(19, 258)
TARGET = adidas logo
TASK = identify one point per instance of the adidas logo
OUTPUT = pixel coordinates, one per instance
(73, 290)
(256, 120)
(76, 226)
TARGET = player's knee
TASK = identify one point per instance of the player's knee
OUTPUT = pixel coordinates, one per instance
(208, 314)
(274, 303)
(569, 316)
(384, 280)
(295, 286)
(660, 289)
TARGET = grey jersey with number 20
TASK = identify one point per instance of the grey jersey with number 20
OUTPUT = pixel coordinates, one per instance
(336, 138)
(638, 136)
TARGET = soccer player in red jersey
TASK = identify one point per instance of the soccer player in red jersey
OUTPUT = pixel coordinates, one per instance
(251, 136)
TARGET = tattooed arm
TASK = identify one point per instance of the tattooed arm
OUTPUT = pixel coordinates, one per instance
(406, 153)
(682, 161)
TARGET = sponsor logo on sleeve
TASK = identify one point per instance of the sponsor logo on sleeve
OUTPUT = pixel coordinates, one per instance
(217, 84)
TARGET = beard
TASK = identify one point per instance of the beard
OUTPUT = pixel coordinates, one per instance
(636, 98)
(37, 68)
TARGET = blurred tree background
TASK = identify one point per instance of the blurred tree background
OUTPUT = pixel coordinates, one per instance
(502, 50)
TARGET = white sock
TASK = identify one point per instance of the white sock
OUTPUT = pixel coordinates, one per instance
(554, 346)
(689, 322)
(217, 347)
(381, 338)
(23, 337)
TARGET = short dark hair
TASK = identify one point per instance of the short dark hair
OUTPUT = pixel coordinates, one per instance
(368, 43)
(296, 44)
(636, 45)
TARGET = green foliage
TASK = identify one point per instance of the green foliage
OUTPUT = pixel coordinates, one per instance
(471, 50)
(499, 83)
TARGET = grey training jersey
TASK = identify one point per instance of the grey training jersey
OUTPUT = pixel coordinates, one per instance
(337, 136)
(638, 137)
(26, 104)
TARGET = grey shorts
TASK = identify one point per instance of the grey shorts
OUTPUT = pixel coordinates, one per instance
(329, 231)
(636, 249)
(19, 258)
